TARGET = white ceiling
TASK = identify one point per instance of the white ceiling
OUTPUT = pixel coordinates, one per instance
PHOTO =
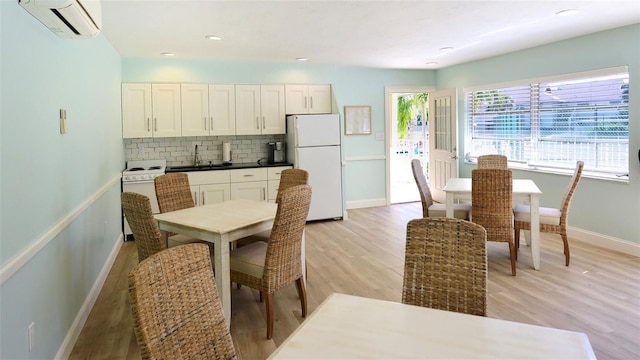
(382, 34)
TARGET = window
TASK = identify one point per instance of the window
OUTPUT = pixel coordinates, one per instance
(552, 123)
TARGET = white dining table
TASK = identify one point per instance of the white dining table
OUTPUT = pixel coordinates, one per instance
(524, 191)
(221, 224)
(352, 327)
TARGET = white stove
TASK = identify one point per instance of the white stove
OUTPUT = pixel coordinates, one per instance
(143, 170)
(138, 177)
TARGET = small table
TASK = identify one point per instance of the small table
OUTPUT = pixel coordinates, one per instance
(351, 327)
(221, 224)
(524, 190)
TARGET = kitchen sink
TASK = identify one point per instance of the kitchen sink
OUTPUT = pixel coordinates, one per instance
(183, 168)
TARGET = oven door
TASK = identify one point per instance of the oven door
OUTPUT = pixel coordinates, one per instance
(146, 188)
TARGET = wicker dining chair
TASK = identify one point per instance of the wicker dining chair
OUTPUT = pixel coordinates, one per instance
(552, 220)
(445, 265)
(288, 178)
(491, 202)
(492, 161)
(429, 207)
(177, 313)
(174, 193)
(270, 266)
(147, 236)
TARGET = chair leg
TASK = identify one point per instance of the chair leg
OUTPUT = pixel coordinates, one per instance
(516, 237)
(512, 253)
(567, 256)
(269, 307)
(302, 293)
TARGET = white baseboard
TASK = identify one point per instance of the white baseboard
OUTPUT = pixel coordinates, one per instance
(604, 241)
(72, 336)
(366, 203)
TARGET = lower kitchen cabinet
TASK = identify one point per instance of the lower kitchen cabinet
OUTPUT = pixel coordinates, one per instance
(259, 184)
(210, 187)
(250, 184)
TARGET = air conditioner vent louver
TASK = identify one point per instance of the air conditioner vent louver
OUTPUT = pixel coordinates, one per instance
(74, 19)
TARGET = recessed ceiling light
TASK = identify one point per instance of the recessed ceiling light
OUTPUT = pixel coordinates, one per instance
(302, 59)
(446, 48)
(567, 12)
(167, 54)
(214, 37)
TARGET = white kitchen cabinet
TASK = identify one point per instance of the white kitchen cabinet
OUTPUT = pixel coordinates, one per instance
(250, 184)
(222, 109)
(151, 110)
(273, 181)
(260, 109)
(210, 187)
(308, 99)
(208, 109)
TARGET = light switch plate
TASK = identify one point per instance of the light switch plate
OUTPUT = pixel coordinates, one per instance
(63, 121)
(379, 136)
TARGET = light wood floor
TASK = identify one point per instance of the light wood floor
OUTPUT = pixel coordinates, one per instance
(599, 294)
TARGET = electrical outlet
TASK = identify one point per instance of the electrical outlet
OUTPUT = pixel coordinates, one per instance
(32, 335)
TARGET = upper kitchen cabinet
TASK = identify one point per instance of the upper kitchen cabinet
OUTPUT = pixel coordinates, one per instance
(260, 109)
(208, 109)
(151, 110)
(308, 99)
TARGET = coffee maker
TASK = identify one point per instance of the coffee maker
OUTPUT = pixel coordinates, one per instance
(276, 153)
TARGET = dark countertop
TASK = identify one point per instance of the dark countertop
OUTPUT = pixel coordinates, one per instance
(187, 168)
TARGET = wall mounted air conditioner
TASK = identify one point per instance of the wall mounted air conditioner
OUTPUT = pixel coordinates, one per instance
(71, 19)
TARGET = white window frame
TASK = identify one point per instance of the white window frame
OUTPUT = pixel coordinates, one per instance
(474, 146)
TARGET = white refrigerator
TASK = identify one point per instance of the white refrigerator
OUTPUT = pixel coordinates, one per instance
(313, 144)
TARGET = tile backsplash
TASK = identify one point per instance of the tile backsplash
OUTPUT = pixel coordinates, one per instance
(180, 151)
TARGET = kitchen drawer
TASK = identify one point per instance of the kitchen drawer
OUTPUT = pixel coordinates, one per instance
(244, 175)
(274, 172)
(209, 177)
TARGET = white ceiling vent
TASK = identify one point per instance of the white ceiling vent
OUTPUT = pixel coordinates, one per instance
(73, 19)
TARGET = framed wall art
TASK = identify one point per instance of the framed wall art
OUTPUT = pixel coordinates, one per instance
(357, 120)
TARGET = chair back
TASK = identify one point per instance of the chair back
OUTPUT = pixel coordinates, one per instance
(175, 306)
(492, 161)
(423, 186)
(491, 202)
(445, 265)
(173, 192)
(146, 233)
(283, 263)
(292, 177)
(568, 195)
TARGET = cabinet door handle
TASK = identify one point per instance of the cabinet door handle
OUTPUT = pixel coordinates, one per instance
(195, 197)
(258, 122)
(264, 123)
(203, 199)
(264, 194)
(305, 102)
(149, 124)
(311, 102)
(155, 124)
(211, 126)
(205, 123)
(247, 175)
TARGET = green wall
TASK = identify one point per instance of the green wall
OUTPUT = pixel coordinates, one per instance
(600, 206)
(60, 194)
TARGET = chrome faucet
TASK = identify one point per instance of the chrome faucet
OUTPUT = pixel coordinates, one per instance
(196, 157)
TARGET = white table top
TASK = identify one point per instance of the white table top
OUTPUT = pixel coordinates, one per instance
(222, 217)
(350, 327)
(463, 185)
